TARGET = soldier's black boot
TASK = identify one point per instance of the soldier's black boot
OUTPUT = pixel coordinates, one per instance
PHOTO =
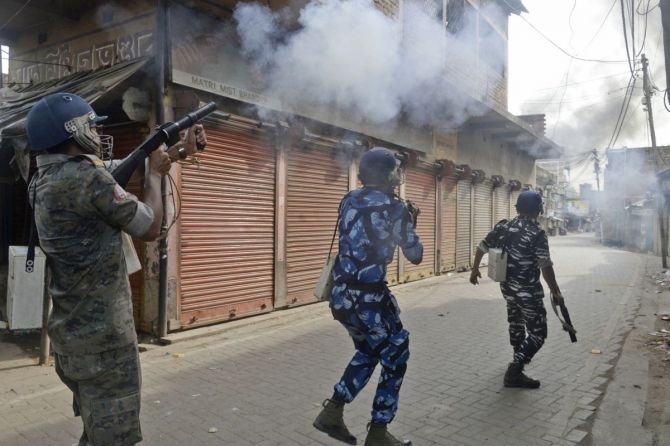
(330, 421)
(378, 435)
(514, 377)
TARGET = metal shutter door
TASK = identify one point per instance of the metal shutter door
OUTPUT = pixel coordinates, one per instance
(420, 189)
(463, 224)
(227, 231)
(501, 205)
(449, 213)
(317, 181)
(482, 212)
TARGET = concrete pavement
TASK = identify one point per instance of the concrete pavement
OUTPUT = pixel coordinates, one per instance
(261, 381)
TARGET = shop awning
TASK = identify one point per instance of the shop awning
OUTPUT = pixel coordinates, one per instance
(516, 133)
(16, 103)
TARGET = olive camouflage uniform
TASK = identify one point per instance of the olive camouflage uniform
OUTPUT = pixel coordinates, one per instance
(527, 250)
(80, 213)
(372, 224)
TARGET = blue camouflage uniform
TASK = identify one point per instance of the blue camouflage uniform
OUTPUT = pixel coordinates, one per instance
(527, 250)
(80, 213)
(372, 225)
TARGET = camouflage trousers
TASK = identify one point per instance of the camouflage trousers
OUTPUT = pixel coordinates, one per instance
(372, 319)
(527, 319)
(106, 394)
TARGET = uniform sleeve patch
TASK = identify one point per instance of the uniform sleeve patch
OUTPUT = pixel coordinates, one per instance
(120, 195)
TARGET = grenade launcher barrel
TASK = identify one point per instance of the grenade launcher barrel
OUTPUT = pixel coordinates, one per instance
(167, 133)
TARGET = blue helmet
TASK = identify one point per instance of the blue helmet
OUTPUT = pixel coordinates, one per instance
(378, 168)
(58, 117)
(529, 202)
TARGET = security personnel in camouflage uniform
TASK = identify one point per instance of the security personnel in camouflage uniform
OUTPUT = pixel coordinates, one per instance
(80, 214)
(373, 222)
(527, 251)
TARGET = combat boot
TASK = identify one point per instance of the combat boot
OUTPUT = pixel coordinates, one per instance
(514, 377)
(330, 421)
(379, 436)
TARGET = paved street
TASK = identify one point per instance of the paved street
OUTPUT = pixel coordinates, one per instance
(261, 381)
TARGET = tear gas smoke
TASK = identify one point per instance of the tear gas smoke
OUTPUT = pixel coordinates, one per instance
(351, 56)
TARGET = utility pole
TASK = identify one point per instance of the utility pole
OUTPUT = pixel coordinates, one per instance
(662, 210)
(596, 167)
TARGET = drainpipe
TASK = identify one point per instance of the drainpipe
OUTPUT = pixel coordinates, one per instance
(161, 49)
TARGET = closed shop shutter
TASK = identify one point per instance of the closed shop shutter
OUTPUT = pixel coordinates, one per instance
(126, 138)
(501, 204)
(420, 189)
(463, 225)
(227, 227)
(449, 212)
(482, 211)
(317, 181)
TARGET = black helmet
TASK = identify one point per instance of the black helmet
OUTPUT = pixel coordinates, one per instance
(529, 202)
(58, 117)
(378, 167)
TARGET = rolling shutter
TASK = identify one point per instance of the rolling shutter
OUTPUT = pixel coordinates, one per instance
(482, 211)
(501, 203)
(420, 189)
(463, 224)
(317, 181)
(227, 231)
(449, 213)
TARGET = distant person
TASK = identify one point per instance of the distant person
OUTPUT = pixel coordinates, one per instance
(373, 222)
(527, 251)
(80, 214)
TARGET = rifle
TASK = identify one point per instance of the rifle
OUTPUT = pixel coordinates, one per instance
(565, 321)
(167, 133)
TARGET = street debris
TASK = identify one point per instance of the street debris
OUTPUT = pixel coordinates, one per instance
(212, 430)
(178, 355)
(596, 351)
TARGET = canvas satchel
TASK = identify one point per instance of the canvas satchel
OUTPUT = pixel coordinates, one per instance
(325, 284)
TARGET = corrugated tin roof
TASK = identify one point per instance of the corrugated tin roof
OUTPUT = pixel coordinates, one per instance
(16, 103)
(90, 85)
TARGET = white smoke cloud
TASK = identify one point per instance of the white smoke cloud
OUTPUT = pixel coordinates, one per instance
(349, 55)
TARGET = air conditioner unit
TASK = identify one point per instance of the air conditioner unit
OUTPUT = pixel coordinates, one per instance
(25, 291)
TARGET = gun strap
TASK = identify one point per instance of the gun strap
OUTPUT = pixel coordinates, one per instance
(30, 256)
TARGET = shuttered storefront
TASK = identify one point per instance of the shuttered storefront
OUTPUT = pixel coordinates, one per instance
(126, 138)
(501, 203)
(420, 184)
(227, 227)
(317, 181)
(482, 211)
(463, 224)
(449, 185)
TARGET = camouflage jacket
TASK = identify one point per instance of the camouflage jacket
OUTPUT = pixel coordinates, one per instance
(372, 225)
(80, 213)
(527, 250)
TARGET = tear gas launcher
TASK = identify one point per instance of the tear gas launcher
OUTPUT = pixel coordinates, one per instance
(167, 134)
(565, 320)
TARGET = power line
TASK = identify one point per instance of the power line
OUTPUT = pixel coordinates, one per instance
(560, 48)
(15, 14)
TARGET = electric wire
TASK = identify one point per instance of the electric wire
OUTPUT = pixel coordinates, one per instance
(559, 47)
(14, 15)
(602, 23)
(625, 37)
